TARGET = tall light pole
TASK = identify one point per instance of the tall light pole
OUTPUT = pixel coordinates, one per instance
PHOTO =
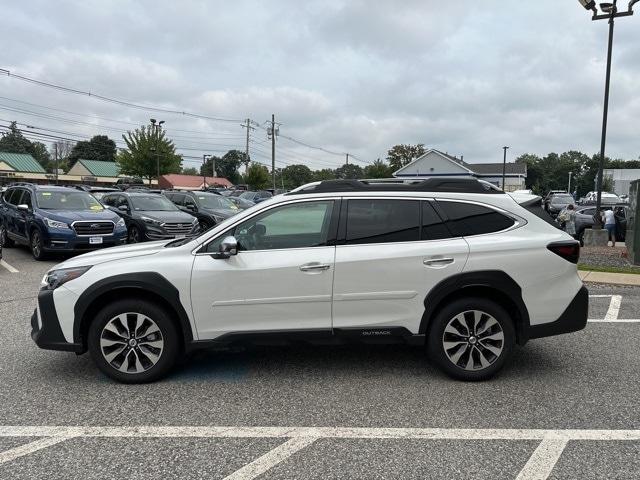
(156, 129)
(205, 157)
(504, 167)
(610, 13)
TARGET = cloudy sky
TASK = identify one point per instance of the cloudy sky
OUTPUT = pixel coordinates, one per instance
(346, 75)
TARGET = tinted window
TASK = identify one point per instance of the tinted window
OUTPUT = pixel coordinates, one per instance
(432, 226)
(178, 199)
(300, 225)
(26, 198)
(470, 219)
(589, 211)
(121, 200)
(10, 196)
(381, 221)
(109, 200)
(189, 201)
(156, 203)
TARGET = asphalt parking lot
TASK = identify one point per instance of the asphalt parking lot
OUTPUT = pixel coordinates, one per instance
(566, 407)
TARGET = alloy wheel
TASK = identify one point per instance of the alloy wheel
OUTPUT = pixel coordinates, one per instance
(473, 340)
(36, 246)
(131, 342)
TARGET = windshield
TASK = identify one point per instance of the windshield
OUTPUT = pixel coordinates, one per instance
(155, 203)
(248, 195)
(562, 199)
(215, 201)
(60, 200)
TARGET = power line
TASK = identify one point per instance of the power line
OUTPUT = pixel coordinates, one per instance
(113, 100)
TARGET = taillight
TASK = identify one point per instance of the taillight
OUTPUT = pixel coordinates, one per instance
(570, 251)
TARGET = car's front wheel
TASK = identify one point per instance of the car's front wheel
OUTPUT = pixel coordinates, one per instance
(133, 341)
(36, 243)
(471, 339)
(134, 235)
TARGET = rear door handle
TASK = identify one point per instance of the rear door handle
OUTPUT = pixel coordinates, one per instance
(438, 262)
(314, 267)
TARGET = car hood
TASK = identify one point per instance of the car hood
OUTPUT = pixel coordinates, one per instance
(114, 253)
(166, 217)
(220, 212)
(69, 216)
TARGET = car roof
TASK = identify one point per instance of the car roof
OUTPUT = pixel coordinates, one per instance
(139, 194)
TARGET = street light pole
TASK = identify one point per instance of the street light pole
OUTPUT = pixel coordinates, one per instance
(155, 130)
(610, 13)
(205, 157)
(504, 168)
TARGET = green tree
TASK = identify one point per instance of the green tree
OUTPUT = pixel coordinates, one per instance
(13, 141)
(100, 147)
(324, 174)
(207, 167)
(257, 176)
(146, 149)
(229, 165)
(378, 169)
(295, 175)
(190, 171)
(400, 155)
(349, 170)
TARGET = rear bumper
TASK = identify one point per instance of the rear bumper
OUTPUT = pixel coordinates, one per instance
(574, 318)
(45, 326)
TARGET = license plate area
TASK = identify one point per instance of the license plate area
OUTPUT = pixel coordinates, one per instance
(95, 240)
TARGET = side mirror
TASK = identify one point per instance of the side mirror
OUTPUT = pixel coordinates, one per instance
(123, 208)
(228, 247)
(23, 207)
(191, 207)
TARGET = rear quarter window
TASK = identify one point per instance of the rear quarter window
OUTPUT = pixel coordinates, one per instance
(466, 219)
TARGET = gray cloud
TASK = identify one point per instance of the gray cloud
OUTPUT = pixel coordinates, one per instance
(347, 75)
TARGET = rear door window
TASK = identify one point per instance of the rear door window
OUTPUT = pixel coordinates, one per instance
(433, 228)
(466, 219)
(382, 221)
(11, 195)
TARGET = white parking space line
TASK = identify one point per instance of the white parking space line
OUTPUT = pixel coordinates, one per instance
(320, 432)
(614, 308)
(8, 267)
(30, 447)
(270, 459)
(544, 458)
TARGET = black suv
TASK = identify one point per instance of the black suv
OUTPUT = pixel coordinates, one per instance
(150, 216)
(209, 208)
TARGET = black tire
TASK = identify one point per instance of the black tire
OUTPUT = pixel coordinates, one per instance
(441, 356)
(36, 246)
(169, 336)
(5, 241)
(134, 236)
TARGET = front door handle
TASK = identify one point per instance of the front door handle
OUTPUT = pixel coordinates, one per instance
(438, 262)
(314, 267)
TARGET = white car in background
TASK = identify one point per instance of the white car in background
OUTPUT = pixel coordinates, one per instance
(455, 265)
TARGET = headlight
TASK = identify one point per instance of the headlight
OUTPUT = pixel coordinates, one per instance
(152, 221)
(55, 278)
(55, 224)
(120, 223)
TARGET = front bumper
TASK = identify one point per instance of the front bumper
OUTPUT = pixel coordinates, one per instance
(73, 243)
(45, 326)
(574, 318)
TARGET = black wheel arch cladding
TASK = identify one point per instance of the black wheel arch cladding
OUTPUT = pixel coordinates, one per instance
(151, 282)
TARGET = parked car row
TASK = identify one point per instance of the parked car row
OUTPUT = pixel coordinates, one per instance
(49, 218)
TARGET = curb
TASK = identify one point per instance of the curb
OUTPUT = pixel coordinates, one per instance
(631, 279)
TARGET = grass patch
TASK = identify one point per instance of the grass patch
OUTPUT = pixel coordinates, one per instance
(600, 268)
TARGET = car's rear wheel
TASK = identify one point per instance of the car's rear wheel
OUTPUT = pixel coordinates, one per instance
(37, 248)
(133, 341)
(4, 238)
(134, 235)
(471, 339)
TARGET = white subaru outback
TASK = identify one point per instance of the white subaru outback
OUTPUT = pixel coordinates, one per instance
(452, 264)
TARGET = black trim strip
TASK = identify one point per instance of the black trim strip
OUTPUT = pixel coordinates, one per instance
(574, 318)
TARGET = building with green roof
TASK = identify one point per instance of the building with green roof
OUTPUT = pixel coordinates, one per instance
(94, 168)
(20, 163)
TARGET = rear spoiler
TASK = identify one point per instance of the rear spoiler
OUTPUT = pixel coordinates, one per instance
(533, 203)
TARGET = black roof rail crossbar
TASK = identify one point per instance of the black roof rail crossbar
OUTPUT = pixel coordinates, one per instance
(443, 184)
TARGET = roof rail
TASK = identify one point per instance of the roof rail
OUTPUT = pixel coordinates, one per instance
(440, 184)
(21, 184)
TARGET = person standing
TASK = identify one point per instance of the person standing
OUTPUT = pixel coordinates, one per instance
(568, 218)
(609, 220)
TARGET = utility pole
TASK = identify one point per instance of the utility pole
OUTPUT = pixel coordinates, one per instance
(246, 148)
(55, 155)
(504, 168)
(347, 158)
(569, 186)
(155, 129)
(273, 150)
(205, 157)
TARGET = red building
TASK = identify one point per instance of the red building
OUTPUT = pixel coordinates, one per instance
(191, 182)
